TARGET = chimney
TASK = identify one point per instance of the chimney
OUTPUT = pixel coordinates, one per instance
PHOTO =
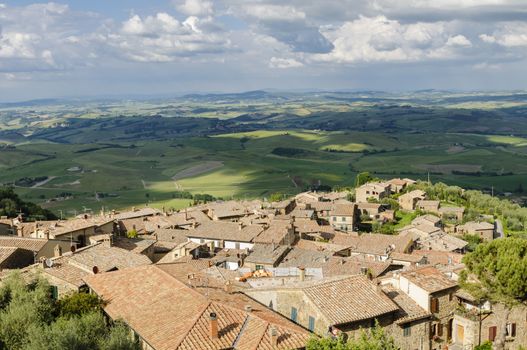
(57, 251)
(228, 287)
(186, 214)
(107, 241)
(240, 225)
(47, 234)
(302, 271)
(273, 334)
(213, 325)
(248, 308)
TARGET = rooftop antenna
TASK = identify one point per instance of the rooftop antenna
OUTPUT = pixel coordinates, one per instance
(60, 210)
(429, 178)
(492, 191)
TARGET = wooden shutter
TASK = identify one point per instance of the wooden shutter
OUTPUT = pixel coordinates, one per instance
(434, 305)
(513, 330)
(492, 333)
(440, 329)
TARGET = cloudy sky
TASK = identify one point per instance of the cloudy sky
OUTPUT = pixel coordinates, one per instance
(124, 47)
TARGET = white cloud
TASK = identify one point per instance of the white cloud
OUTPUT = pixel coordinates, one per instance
(458, 40)
(487, 38)
(486, 66)
(380, 39)
(162, 38)
(283, 63)
(195, 7)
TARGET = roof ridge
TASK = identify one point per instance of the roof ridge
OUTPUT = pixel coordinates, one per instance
(242, 329)
(176, 345)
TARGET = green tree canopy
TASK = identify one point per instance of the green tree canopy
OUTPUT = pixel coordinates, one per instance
(372, 339)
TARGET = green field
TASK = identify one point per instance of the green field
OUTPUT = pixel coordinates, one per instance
(119, 155)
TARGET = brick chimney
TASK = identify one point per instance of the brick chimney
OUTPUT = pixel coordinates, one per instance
(213, 325)
(248, 308)
(302, 271)
(273, 335)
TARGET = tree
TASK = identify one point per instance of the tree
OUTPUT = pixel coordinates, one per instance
(131, 234)
(373, 339)
(79, 303)
(276, 197)
(363, 178)
(31, 320)
(496, 271)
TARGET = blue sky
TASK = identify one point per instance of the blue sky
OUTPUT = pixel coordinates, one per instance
(109, 47)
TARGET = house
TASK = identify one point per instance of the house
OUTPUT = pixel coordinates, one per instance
(284, 207)
(322, 209)
(373, 210)
(482, 229)
(452, 213)
(224, 234)
(434, 292)
(198, 318)
(428, 206)
(347, 304)
(427, 219)
(372, 190)
(411, 326)
(279, 232)
(376, 246)
(263, 256)
(342, 216)
(408, 201)
(39, 248)
(188, 248)
(78, 230)
(135, 245)
(476, 322)
(398, 185)
(440, 241)
(65, 272)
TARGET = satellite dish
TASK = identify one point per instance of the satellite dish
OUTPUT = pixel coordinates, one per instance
(49, 262)
(95, 270)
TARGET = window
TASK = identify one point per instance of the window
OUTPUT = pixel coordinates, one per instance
(334, 218)
(237, 245)
(451, 296)
(259, 267)
(294, 314)
(511, 329)
(433, 329)
(439, 329)
(343, 219)
(311, 325)
(407, 331)
(492, 333)
(434, 305)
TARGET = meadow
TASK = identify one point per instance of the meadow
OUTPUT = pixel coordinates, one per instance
(130, 155)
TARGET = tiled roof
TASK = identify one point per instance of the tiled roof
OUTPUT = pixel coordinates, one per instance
(33, 244)
(307, 258)
(344, 209)
(350, 299)
(339, 266)
(439, 258)
(6, 252)
(266, 253)
(73, 267)
(137, 213)
(275, 233)
(168, 314)
(408, 309)
(229, 231)
(134, 245)
(429, 278)
(442, 242)
(374, 243)
(414, 194)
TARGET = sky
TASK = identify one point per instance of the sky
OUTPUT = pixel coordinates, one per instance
(169, 47)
